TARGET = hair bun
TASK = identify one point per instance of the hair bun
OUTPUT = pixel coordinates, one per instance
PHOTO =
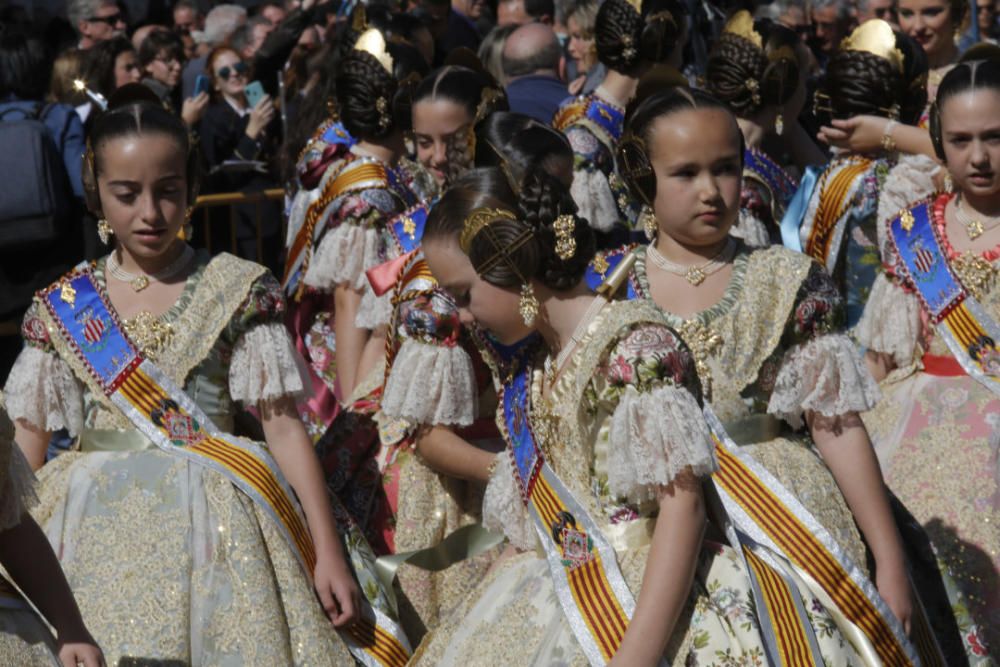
(617, 32)
(660, 35)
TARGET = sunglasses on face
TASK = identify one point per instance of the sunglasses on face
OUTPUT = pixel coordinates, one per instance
(111, 20)
(239, 69)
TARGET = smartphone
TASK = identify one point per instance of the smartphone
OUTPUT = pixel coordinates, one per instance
(254, 91)
(201, 85)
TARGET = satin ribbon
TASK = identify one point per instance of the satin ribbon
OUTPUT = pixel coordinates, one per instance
(796, 211)
(385, 276)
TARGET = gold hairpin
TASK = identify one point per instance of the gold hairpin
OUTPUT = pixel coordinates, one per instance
(741, 25)
(877, 38)
(372, 42)
(477, 220)
(565, 243)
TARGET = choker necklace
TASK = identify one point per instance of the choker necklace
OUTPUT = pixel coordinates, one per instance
(693, 274)
(140, 281)
(974, 227)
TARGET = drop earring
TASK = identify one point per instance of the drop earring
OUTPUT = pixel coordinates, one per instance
(104, 231)
(528, 305)
(649, 224)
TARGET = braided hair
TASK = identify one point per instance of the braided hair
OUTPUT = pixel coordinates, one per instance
(749, 78)
(626, 39)
(513, 250)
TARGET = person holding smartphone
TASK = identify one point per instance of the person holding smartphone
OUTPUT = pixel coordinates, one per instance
(241, 127)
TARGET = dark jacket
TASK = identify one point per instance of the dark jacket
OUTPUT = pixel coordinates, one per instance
(536, 95)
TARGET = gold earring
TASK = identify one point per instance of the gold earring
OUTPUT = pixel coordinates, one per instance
(779, 124)
(949, 182)
(565, 243)
(104, 231)
(649, 224)
(528, 305)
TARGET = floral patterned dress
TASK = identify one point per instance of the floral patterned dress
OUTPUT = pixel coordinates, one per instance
(24, 638)
(628, 415)
(168, 559)
(937, 432)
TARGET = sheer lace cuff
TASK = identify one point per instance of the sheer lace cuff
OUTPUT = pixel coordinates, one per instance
(17, 493)
(655, 435)
(373, 311)
(431, 385)
(825, 375)
(503, 510)
(910, 180)
(751, 229)
(265, 366)
(343, 256)
(890, 323)
(41, 390)
(594, 199)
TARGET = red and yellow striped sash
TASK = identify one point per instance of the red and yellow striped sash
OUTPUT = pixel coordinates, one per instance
(792, 642)
(805, 551)
(379, 644)
(833, 203)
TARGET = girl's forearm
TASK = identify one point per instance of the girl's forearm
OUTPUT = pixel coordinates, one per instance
(447, 453)
(350, 339)
(34, 443)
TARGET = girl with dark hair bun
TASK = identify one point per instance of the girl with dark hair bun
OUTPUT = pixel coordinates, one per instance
(629, 41)
(604, 492)
(175, 534)
(881, 73)
(936, 429)
(765, 326)
(758, 69)
(338, 221)
(446, 107)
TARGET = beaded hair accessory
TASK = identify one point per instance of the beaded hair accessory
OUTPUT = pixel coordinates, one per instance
(877, 38)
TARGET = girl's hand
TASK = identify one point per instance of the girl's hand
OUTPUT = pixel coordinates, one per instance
(861, 134)
(894, 587)
(194, 108)
(86, 653)
(337, 590)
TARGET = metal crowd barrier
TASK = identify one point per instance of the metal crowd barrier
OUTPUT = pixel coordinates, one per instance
(229, 200)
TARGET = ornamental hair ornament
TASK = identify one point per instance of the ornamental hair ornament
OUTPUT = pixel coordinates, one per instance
(564, 227)
(741, 25)
(877, 38)
(479, 219)
(373, 43)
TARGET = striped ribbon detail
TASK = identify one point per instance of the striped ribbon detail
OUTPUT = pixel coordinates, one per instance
(349, 177)
(588, 582)
(415, 270)
(833, 202)
(793, 646)
(378, 644)
(146, 395)
(805, 551)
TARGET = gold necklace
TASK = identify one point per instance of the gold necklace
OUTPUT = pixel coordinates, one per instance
(695, 274)
(974, 227)
(140, 281)
(149, 332)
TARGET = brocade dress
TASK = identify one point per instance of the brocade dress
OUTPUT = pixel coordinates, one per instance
(168, 559)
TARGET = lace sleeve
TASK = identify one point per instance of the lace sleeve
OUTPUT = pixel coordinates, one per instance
(346, 251)
(503, 509)
(591, 190)
(17, 489)
(751, 228)
(825, 375)
(264, 364)
(891, 323)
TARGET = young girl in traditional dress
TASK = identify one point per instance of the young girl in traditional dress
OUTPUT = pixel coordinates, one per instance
(836, 218)
(337, 225)
(182, 541)
(601, 486)
(28, 560)
(757, 69)
(630, 38)
(937, 431)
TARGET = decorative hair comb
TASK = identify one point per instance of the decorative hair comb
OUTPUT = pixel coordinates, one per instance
(479, 219)
(877, 38)
(372, 42)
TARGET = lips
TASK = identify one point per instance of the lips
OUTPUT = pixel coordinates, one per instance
(981, 179)
(149, 236)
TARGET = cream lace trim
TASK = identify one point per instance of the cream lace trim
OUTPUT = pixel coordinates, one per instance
(42, 391)
(431, 385)
(594, 200)
(342, 257)
(751, 229)
(891, 322)
(654, 436)
(503, 510)
(825, 375)
(373, 311)
(265, 366)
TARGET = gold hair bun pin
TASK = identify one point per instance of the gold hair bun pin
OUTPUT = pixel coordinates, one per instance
(479, 219)
(877, 38)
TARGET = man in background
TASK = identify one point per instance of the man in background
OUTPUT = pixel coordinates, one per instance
(530, 60)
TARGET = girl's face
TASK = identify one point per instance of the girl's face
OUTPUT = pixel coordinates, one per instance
(696, 157)
(437, 125)
(229, 74)
(142, 183)
(493, 308)
(929, 22)
(581, 46)
(970, 131)
(166, 69)
(127, 69)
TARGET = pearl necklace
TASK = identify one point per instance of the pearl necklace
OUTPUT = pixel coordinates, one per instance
(693, 274)
(140, 281)
(974, 227)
